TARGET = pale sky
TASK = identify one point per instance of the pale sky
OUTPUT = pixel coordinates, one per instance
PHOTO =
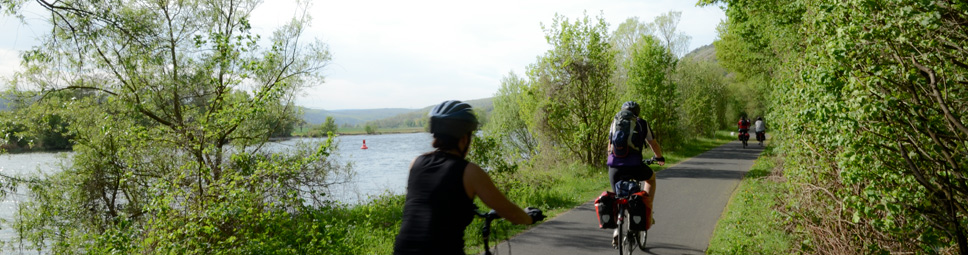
(413, 54)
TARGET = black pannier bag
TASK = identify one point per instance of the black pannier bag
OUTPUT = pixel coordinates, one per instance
(606, 210)
(638, 212)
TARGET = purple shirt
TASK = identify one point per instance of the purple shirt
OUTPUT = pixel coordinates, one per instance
(635, 156)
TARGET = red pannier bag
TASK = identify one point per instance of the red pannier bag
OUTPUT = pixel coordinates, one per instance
(639, 212)
(605, 209)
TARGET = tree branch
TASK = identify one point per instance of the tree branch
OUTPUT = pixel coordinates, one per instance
(954, 120)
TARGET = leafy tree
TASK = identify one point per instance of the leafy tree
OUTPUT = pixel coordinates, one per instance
(666, 30)
(179, 99)
(871, 117)
(571, 87)
(703, 97)
(46, 128)
(511, 117)
(369, 129)
(326, 128)
(623, 40)
(653, 89)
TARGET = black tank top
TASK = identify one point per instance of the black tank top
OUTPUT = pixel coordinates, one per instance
(437, 208)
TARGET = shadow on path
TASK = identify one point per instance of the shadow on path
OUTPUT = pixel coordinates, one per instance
(700, 174)
(690, 197)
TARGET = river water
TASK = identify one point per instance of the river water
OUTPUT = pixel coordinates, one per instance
(383, 167)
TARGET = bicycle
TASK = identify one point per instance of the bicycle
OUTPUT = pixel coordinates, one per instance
(744, 136)
(760, 136)
(629, 239)
(486, 229)
(491, 216)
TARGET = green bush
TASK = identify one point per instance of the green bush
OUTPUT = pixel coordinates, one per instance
(869, 101)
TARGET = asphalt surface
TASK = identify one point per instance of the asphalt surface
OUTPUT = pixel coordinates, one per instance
(690, 197)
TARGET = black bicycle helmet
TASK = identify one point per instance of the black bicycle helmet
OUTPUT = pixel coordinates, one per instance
(631, 106)
(453, 118)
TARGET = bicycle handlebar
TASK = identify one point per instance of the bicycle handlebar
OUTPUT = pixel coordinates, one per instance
(492, 215)
(486, 229)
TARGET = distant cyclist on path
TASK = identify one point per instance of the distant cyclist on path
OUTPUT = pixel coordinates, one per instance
(744, 125)
(631, 166)
(760, 127)
(442, 186)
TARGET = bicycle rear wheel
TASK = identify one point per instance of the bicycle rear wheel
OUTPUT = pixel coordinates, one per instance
(642, 237)
(630, 240)
(620, 241)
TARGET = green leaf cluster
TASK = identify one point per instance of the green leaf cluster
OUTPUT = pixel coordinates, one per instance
(868, 101)
(326, 129)
(563, 108)
(168, 106)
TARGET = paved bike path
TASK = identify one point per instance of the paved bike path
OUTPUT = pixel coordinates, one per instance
(690, 198)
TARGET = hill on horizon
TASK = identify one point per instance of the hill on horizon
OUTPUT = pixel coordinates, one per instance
(351, 117)
(385, 117)
(418, 117)
(704, 53)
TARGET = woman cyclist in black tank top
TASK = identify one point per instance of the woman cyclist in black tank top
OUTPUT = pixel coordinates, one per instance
(442, 186)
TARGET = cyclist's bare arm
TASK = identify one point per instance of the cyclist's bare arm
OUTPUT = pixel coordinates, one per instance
(478, 183)
(650, 187)
(657, 151)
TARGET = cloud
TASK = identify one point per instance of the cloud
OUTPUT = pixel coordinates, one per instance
(429, 51)
(418, 53)
(9, 64)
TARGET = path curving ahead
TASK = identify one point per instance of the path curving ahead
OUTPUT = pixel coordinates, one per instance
(690, 197)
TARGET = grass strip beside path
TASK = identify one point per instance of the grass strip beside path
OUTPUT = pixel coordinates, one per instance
(750, 225)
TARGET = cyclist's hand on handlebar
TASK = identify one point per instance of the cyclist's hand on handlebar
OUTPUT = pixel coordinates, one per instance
(659, 160)
(535, 213)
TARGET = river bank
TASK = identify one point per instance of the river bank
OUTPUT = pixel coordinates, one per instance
(304, 132)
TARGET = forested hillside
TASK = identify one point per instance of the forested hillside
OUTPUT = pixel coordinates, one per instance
(706, 53)
(350, 117)
(418, 118)
(868, 101)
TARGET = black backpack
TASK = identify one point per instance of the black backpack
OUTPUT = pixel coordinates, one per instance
(623, 133)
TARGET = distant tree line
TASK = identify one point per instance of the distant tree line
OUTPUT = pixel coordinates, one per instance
(25, 127)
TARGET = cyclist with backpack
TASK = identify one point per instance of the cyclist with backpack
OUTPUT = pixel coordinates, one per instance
(627, 138)
(442, 186)
(744, 129)
(760, 128)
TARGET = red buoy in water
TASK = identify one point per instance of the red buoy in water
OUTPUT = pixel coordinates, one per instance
(364, 145)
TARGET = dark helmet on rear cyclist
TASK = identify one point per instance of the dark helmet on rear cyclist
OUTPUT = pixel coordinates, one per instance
(452, 118)
(631, 106)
